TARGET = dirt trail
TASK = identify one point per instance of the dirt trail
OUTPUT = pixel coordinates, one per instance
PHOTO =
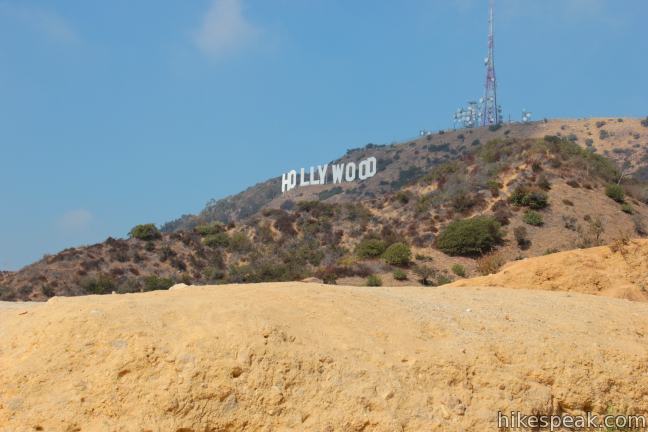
(294, 356)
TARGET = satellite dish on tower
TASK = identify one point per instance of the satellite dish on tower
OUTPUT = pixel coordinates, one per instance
(526, 116)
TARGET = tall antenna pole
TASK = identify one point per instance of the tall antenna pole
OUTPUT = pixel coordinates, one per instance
(491, 111)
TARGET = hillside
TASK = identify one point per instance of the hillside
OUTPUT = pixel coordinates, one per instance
(291, 356)
(525, 197)
(623, 140)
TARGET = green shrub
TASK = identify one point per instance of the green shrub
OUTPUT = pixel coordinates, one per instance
(423, 205)
(147, 232)
(441, 171)
(566, 152)
(493, 151)
(239, 242)
(644, 122)
(217, 240)
(442, 280)
(517, 196)
(298, 253)
(533, 218)
(271, 267)
(459, 270)
(328, 275)
(370, 247)
(406, 176)
(101, 284)
(494, 127)
(214, 274)
(324, 195)
(494, 186)
(534, 199)
(627, 208)
(472, 236)
(210, 229)
(398, 254)
(615, 192)
(7, 294)
(316, 209)
(154, 283)
(374, 281)
(400, 275)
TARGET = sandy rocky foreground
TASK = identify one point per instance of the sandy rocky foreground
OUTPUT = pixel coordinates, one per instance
(309, 357)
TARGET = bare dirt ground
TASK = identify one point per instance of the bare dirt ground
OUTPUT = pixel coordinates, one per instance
(17, 305)
(296, 356)
(610, 271)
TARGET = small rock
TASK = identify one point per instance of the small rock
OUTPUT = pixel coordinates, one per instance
(244, 357)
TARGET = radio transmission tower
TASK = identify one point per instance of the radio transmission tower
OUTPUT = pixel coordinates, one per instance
(491, 112)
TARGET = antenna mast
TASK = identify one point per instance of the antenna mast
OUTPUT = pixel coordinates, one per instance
(491, 113)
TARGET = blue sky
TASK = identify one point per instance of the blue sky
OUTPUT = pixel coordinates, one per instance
(122, 112)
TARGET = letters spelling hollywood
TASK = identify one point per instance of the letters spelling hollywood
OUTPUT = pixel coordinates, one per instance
(339, 172)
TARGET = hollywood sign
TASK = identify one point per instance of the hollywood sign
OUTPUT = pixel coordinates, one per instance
(320, 175)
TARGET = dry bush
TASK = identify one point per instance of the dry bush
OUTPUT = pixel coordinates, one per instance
(284, 224)
(620, 243)
(501, 212)
(425, 273)
(591, 235)
(489, 264)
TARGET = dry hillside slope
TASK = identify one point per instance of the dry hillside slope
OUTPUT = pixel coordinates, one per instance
(614, 271)
(622, 139)
(547, 184)
(292, 356)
